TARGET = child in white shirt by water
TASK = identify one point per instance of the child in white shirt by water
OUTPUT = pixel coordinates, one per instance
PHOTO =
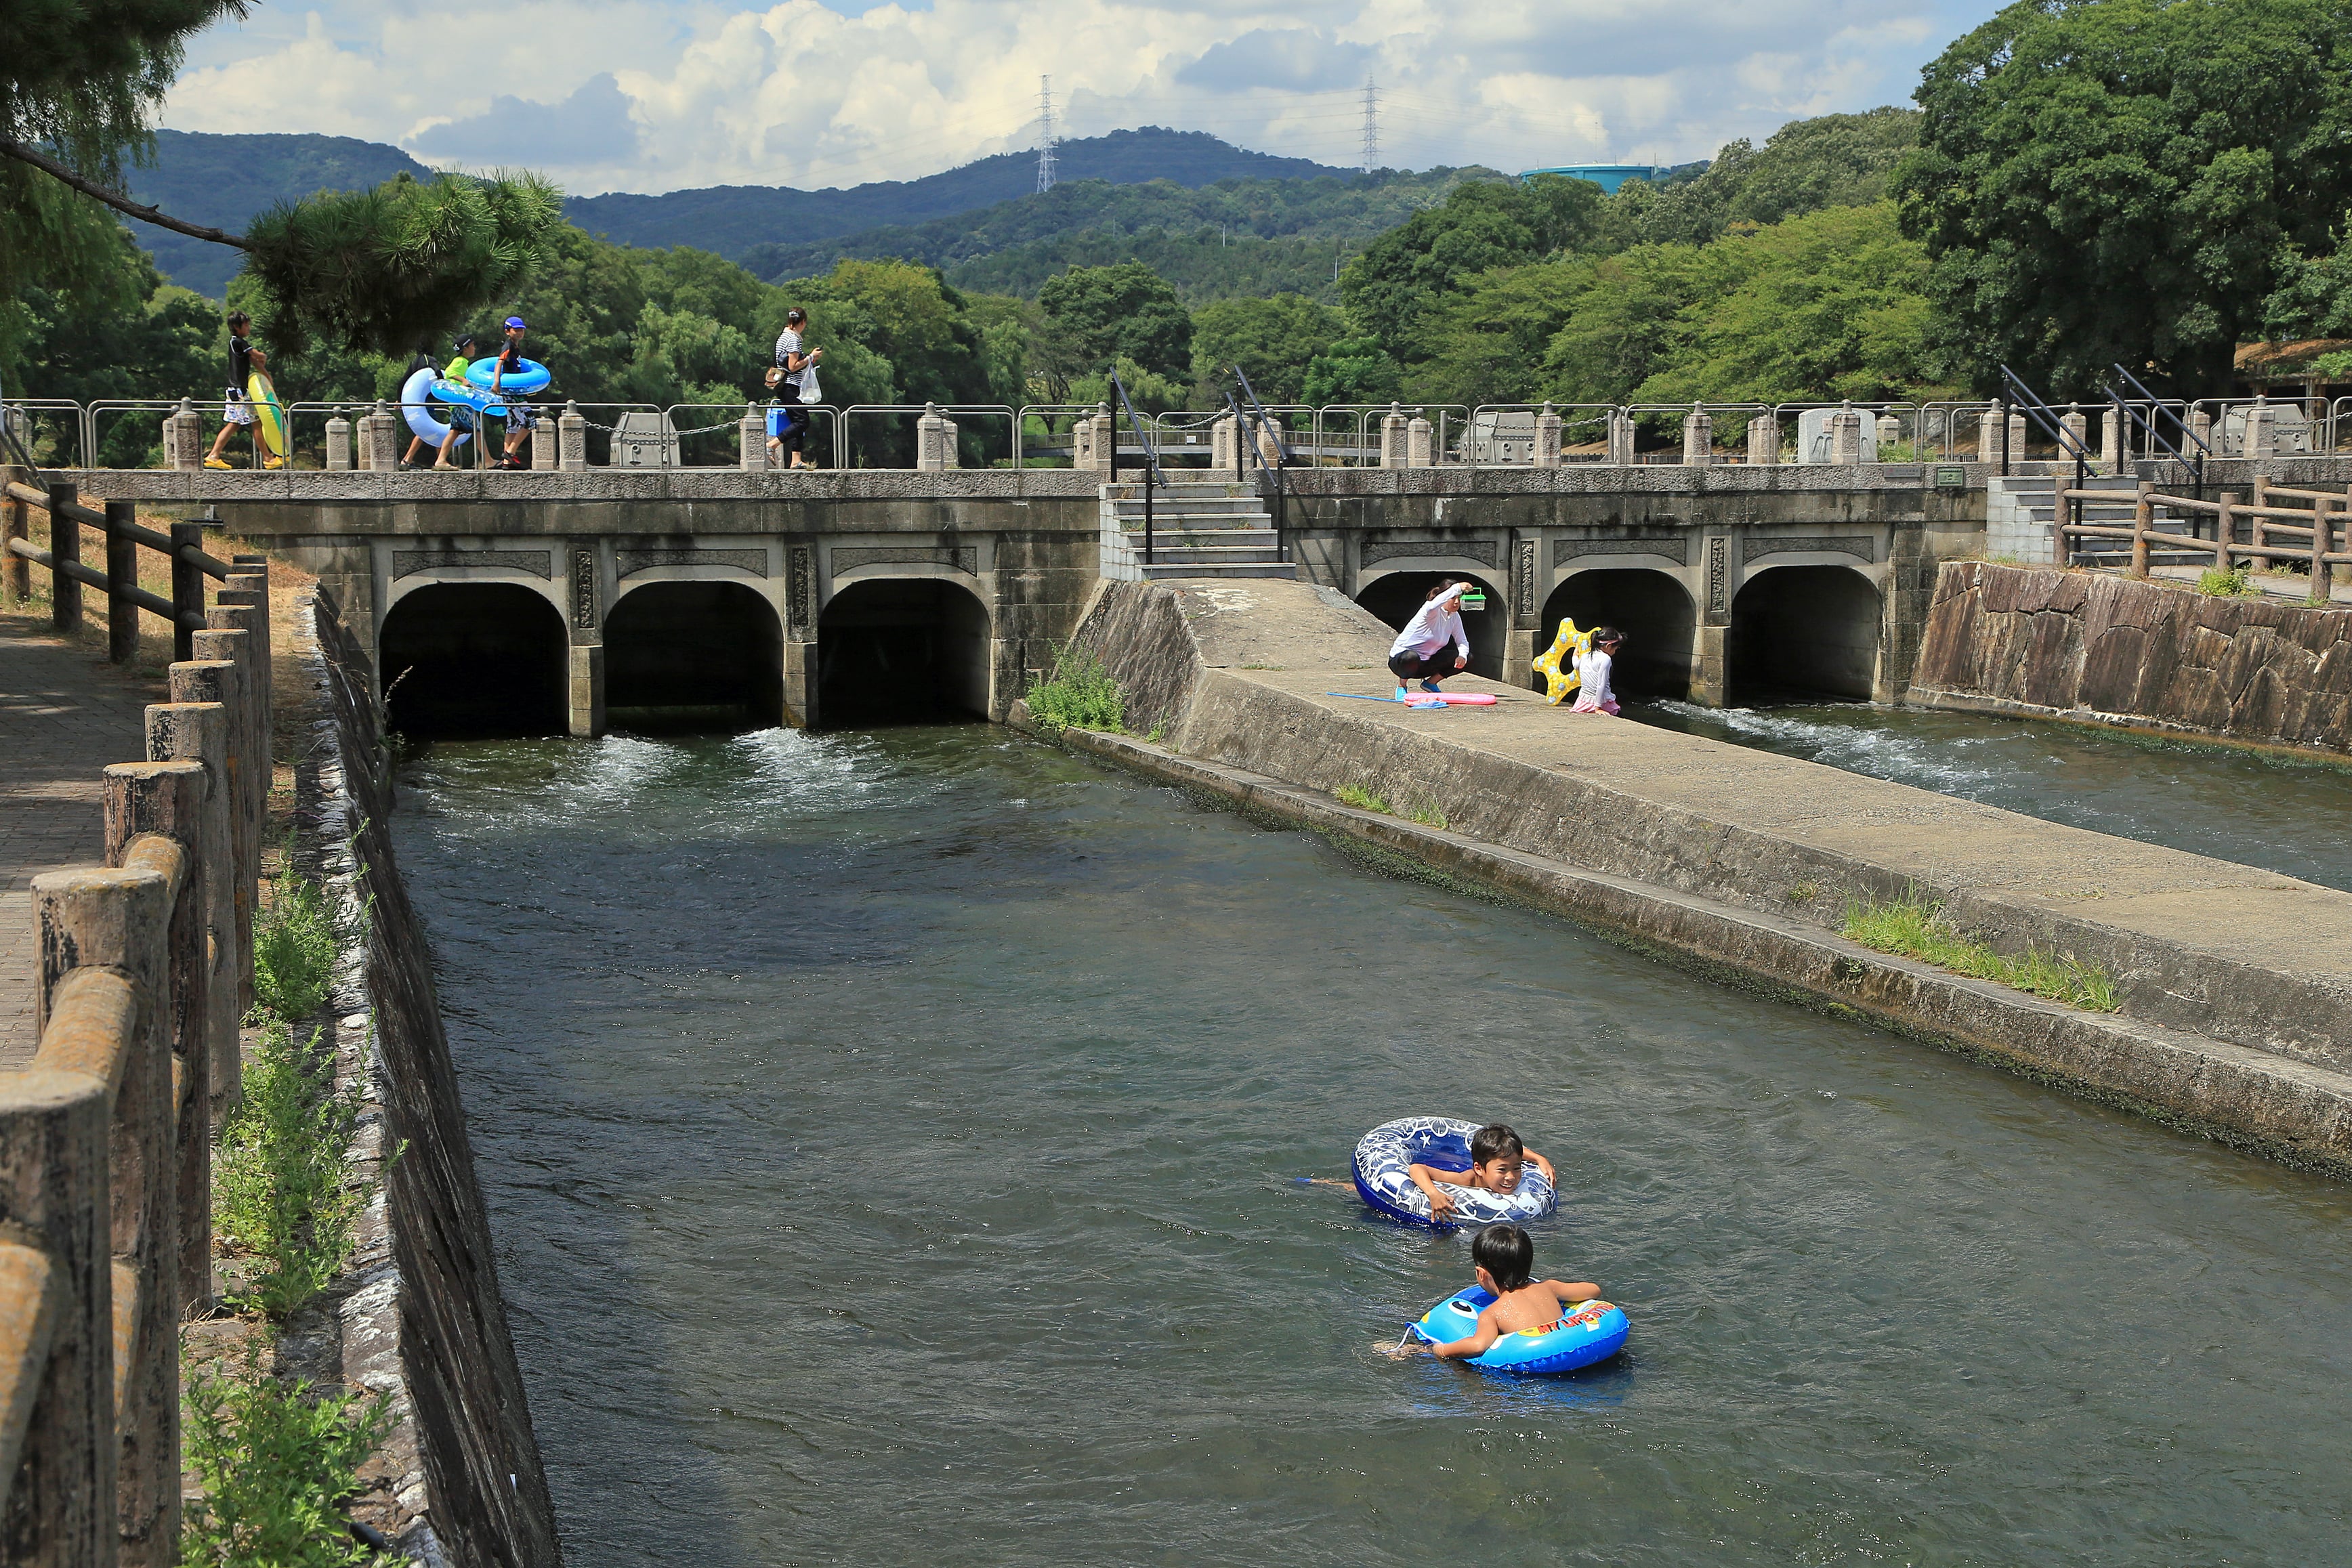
(1596, 696)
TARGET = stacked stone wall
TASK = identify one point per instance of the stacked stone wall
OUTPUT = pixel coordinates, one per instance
(2113, 649)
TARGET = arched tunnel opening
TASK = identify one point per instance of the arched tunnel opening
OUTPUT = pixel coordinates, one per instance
(693, 656)
(474, 659)
(901, 651)
(1653, 611)
(1396, 597)
(1804, 632)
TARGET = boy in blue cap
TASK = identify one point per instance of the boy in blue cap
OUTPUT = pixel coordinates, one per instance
(519, 418)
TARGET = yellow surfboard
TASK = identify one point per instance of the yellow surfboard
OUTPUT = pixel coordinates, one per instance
(268, 414)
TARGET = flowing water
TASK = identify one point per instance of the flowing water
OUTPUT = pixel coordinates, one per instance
(892, 1142)
(2272, 808)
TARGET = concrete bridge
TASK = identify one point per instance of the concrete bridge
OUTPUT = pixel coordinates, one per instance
(551, 600)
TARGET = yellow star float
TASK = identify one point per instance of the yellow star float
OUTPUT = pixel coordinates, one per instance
(1557, 663)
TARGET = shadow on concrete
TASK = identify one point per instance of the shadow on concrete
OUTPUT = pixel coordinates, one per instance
(1800, 632)
(1651, 609)
(684, 658)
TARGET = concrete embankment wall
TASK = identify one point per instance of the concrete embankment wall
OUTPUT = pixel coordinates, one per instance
(1741, 862)
(485, 1493)
(2105, 649)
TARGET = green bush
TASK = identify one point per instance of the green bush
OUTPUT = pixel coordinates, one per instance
(278, 1189)
(1361, 798)
(1912, 926)
(1078, 694)
(2221, 584)
(277, 1467)
(294, 948)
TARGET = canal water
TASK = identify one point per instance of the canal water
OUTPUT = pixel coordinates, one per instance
(2270, 808)
(892, 1144)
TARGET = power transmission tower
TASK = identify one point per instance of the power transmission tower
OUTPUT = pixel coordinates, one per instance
(1371, 126)
(1044, 134)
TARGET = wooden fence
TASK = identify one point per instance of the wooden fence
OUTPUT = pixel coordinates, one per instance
(145, 967)
(2317, 527)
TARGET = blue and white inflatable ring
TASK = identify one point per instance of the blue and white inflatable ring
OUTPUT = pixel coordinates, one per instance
(1384, 1181)
(1586, 1333)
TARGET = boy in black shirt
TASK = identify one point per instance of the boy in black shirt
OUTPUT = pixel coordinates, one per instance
(519, 414)
(243, 358)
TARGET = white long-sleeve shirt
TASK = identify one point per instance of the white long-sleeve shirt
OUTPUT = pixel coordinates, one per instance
(1433, 626)
(1595, 666)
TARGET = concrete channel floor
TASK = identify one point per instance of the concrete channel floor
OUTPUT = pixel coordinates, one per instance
(64, 715)
(1281, 635)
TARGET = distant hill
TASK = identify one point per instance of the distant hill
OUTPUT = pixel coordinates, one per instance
(225, 180)
(732, 219)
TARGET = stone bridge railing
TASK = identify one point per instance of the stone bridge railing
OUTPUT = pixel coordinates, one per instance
(106, 1135)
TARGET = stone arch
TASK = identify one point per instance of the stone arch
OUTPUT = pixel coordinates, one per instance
(1652, 607)
(474, 659)
(1394, 596)
(693, 653)
(901, 649)
(1804, 632)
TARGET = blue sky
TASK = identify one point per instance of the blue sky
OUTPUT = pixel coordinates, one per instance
(653, 94)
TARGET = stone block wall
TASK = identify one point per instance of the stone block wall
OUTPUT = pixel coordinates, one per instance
(2113, 650)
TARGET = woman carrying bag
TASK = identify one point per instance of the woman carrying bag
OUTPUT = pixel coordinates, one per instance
(794, 374)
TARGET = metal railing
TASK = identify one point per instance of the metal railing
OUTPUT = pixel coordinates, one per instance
(1252, 425)
(845, 445)
(1151, 462)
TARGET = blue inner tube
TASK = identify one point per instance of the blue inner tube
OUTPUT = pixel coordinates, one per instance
(416, 408)
(534, 376)
(1384, 1181)
(1590, 1332)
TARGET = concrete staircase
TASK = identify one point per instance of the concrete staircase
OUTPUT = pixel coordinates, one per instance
(2021, 515)
(1200, 529)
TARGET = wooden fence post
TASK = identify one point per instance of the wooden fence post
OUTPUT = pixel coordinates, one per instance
(234, 610)
(2225, 528)
(219, 675)
(122, 577)
(104, 933)
(199, 732)
(65, 544)
(187, 587)
(15, 523)
(2143, 519)
(2322, 540)
(173, 799)
(252, 576)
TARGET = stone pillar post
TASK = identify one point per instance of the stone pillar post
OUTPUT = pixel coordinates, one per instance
(1548, 429)
(339, 444)
(384, 449)
(2111, 442)
(546, 450)
(584, 694)
(935, 440)
(750, 441)
(1763, 440)
(1269, 443)
(2201, 427)
(1082, 445)
(2255, 440)
(1416, 443)
(1698, 437)
(1889, 431)
(1845, 438)
(1621, 438)
(2077, 426)
(571, 439)
(1224, 440)
(1392, 438)
(1988, 437)
(171, 423)
(188, 451)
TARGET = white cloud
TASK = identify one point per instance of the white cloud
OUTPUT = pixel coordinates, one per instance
(640, 95)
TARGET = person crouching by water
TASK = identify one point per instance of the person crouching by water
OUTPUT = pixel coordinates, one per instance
(1421, 648)
(1598, 665)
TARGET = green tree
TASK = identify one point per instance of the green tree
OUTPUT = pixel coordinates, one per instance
(1273, 341)
(1829, 161)
(1354, 370)
(1095, 315)
(1623, 328)
(2115, 180)
(1482, 225)
(141, 338)
(1487, 340)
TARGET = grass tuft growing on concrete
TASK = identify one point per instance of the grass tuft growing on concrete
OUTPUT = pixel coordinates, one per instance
(1361, 798)
(278, 1465)
(1078, 694)
(1912, 926)
(293, 948)
(281, 1195)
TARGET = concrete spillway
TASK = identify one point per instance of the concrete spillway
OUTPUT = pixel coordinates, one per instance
(2236, 982)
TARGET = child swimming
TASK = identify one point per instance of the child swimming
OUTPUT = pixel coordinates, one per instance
(1506, 1260)
(1497, 1160)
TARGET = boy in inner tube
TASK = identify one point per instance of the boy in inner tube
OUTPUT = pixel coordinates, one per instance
(1497, 1160)
(1506, 1260)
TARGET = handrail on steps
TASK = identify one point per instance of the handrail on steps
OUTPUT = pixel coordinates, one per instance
(1150, 461)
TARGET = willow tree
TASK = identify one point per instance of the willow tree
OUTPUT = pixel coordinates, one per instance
(369, 269)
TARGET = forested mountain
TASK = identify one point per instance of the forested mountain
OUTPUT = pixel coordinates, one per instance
(730, 220)
(1244, 237)
(224, 181)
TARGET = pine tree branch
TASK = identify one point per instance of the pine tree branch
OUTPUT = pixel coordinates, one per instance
(121, 203)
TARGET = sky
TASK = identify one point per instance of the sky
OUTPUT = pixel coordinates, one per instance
(660, 95)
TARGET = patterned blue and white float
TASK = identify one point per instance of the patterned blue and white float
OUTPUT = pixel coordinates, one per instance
(1586, 1333)
(1384, 1181)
